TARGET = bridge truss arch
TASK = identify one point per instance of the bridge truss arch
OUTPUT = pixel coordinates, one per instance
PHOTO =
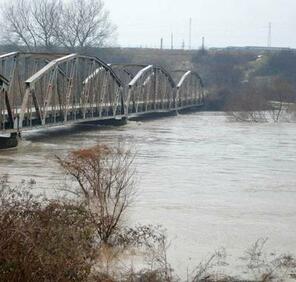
(71, 88)
(15, 68)
(152, 89)
(126, 72)
(189, 90)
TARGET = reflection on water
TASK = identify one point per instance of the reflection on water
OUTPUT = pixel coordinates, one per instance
(210, 182)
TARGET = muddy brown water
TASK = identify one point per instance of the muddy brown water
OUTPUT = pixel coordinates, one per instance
(210, 182)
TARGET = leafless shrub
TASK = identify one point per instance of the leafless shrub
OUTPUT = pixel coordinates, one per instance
(250, 105)
(140, 241)
(205, 270)
(280, 95)
(158, 261)
(260, 102)
(141, 236)
(159, 269)
(266, 267)
(105, 177)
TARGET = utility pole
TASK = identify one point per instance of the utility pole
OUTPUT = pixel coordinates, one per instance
(161, 43)
(203, 44)
(190, 33)
(172, 41)
(269, 36)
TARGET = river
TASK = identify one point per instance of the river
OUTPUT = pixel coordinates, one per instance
(210, 182)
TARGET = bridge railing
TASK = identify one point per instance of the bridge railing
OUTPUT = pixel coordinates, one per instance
(71, 88)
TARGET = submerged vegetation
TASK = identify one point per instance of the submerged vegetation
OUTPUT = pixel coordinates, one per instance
(84, 238)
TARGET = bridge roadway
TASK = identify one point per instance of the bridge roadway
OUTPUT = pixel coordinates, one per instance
(44, 90)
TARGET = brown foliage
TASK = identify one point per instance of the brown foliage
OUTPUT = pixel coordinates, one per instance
(48, 241)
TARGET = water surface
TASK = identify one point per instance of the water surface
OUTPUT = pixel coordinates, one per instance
(211, 182)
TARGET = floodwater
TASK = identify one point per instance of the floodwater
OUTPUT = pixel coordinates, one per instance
(210, 182)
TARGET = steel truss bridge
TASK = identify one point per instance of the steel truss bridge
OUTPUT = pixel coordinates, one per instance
(42, 90)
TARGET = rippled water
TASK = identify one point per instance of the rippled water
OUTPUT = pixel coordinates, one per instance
(211, 182)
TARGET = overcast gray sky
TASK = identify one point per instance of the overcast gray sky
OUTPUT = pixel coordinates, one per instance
(222, 22)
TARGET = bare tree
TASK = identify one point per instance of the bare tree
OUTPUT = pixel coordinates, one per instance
(46, 16)
(50, 23)
(85, 23)
(31, 23)
(105, 176)
(18, 24)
